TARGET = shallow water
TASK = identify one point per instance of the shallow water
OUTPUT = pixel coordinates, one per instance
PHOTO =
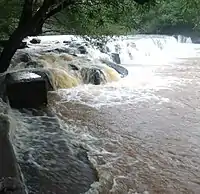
(141, 133)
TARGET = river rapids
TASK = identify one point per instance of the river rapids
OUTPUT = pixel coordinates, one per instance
(134, 135)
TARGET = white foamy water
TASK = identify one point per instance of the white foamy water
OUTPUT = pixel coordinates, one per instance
(130, 129)
(143, 56)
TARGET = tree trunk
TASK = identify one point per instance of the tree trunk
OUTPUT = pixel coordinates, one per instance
(10, 48)
(29, 25)
(37, 30)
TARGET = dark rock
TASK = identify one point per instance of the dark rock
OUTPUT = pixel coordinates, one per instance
(3, 88)
(92, 76)
(121, 70)
(99, 44)
(73, 67)
(116, 58)
(86, 43)
(12, 185)
(10, 175)
(19, 57)
(73, 172)
(82, 50)
(87, 39)
(47, 76)
(26, 90)
(66, 42)
(35, 41)
(24, 57)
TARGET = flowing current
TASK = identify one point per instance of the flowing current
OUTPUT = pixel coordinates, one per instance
(137, 134)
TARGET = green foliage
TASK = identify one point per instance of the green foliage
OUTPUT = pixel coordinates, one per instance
(170, 15)
(96, 17)
(9, 14)
(108, 17)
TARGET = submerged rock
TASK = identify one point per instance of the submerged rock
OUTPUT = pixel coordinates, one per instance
(26, 90)
(75, 44)
(82, 50)
(92, 76)
(70, 51)
(73, 67)
(24, 57)
(33, 64)
(121, 70)
(21, 57)
(66, 42)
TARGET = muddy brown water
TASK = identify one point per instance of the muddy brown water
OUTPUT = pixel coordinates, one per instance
(143, 146)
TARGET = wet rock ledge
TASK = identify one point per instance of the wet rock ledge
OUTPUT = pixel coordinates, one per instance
(27, 89)
(10, 176)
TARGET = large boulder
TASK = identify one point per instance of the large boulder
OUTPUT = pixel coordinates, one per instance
(121, 70)
(26, 90)
(46, 75)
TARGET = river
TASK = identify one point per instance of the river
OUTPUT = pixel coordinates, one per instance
(140, 134)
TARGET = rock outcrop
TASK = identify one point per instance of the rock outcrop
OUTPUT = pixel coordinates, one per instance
(10, 175)
(26, 90)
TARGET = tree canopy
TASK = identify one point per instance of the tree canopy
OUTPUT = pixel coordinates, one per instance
(74, 17)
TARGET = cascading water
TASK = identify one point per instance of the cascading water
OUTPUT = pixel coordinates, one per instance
(119, 136)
